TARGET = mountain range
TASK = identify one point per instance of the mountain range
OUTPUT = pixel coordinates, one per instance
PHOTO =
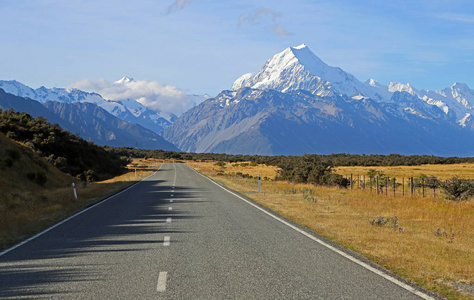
(298, 104)
(294, 104)
(89, 121)
(128, 110)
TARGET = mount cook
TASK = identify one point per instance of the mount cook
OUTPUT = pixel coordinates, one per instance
(298, 104)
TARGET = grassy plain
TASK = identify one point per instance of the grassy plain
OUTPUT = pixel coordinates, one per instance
(429, 241)
(439, 171)
(27, 208)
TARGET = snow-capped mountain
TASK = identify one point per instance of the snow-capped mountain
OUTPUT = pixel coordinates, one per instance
(128, 110)
(269, 122)
(298, 104)
(298, 68)
(89, 121)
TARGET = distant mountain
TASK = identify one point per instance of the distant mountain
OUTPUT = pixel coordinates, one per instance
(90, 121)
(298, 68)
(128, 110)
(297, 104)
(268, 122)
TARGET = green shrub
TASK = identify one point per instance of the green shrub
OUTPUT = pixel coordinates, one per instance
(458, 189)
(220, 164)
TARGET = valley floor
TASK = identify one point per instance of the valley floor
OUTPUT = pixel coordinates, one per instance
(426, 240)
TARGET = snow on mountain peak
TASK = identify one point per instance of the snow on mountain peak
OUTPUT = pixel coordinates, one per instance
(372, 82)
(240, 82)
(460, 86)
(309, 60)
(298, 68)
(400, 87)
(300, 46)
(123, 80)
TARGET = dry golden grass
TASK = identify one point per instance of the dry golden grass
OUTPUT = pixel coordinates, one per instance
(33, 209)
(231, 168)
(440, 171)
(432, 245)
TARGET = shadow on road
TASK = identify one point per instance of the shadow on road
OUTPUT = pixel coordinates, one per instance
(84, 248)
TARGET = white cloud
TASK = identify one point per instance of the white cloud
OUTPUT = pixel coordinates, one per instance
(280, 30)
(152, 94)
(178, 4)
(259, 14)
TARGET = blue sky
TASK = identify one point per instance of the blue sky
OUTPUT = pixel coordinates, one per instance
(202, 46)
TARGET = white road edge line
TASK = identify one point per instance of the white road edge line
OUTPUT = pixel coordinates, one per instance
(166, 241)
(71, 217)
(351, 258)
(161, 285)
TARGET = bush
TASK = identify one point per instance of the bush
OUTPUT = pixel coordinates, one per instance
(13, 154)
(220, 164)
(333, 179)
(38, 177)
(88, 176)
(458, 189)
(8, 162)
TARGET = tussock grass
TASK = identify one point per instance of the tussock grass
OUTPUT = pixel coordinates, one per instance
(232, 168)
(465, 170)
(429, 241)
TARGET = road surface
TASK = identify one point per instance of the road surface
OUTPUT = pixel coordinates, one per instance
(179, 235)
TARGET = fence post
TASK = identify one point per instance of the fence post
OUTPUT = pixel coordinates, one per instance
(411, 186)
(386, 186)
(394, 187)
(423, 187)
(377, 184)
(351, 181)
(403, 186)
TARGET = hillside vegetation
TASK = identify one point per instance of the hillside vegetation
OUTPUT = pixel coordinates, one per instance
(68, 152)
(38, 164)
(26, 184)
(34, 194)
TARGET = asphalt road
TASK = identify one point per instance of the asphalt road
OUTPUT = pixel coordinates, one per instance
(178, 235)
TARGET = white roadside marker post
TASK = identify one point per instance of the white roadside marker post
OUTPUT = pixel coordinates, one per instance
(74, 189)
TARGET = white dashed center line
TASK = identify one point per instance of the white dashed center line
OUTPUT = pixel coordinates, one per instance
(168, 220)
(170, 208)
(166, 241)
(161, 286)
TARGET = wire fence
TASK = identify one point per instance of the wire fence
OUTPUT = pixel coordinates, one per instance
(399, 186)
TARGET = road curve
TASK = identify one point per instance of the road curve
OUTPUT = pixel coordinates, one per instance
(179, 235)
